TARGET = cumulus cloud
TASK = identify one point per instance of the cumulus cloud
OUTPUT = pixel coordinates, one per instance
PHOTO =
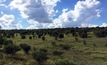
(8, 22)
(37, 10)
(40, 13)
(104, 25)
(83, 13)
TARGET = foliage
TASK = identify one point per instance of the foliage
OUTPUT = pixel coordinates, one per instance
(39, 56)
(57, 53)
(61, 35)
(43, 38)
(64, 62)
(25, 47)
(23, 37)
(11, 49)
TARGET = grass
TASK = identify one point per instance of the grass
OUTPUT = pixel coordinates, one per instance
(79, 53)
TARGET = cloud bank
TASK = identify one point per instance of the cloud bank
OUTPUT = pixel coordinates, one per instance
(40, 13)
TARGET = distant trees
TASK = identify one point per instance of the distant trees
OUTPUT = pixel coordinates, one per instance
(100, 33)
(83, 33)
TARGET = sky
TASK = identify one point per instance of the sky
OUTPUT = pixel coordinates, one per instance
(40, 14)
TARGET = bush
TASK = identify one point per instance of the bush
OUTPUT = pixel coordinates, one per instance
(64, 62)
(53, 43)
(76, 39)
(6, 42)
(57, 53)
(23, 37)
(11, 49)
(30, 37)
(61, 35)
(84, 42)
(43, 50)
(40, 56)
(65, 47)
(25, 47)
(43, 38)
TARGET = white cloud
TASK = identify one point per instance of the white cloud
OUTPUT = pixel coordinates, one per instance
(104, 25)
(4, 5)
(1, 13)
(83, 13)
(40, 11)
(8, 22)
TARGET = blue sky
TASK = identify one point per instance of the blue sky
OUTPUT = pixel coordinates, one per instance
(36, 14)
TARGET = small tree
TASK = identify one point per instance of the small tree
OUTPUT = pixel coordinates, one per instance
(11, 49)
(25, 47)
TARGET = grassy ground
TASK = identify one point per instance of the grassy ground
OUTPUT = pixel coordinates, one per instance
(93, 53)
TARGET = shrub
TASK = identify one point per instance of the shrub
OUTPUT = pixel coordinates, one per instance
(25, 47)
(57, 53)
(43, 50)
(61, 35)
(106, 45)
(64, 62)
(23, 37)
(39, 56)
(65, 47)
(2, 41)
(56, 38)
(76, 39)
(11, 49)
(43, 38)
(84, 35)
(53, 43)
(30, 37)
(84, 42)
(8, 42)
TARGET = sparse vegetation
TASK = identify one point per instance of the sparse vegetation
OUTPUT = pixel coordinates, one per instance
(60, 46)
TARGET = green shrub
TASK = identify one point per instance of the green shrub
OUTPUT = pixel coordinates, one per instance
(11, 49)
(65, 47)
(61, 35)
(43, 50)
(8, 42)
(64, 62)
(25, 47)
(39, 56)
(53, 43)
(43, 38)
(84, 42)
(57, 53)
(30, 37)
(23, 37)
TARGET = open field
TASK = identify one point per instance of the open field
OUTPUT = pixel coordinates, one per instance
(91, 52)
